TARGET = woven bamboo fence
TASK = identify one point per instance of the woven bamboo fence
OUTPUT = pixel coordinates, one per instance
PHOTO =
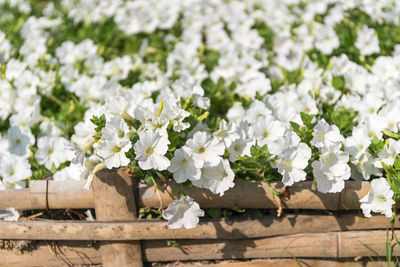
(122, 240)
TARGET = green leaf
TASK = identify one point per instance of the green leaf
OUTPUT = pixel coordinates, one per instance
(396, 163)
(295, 127)
(306, 118)
(389, 169)
(255, 214)
(53, 168)
(214, 213)
(100, 122)
(254, 151)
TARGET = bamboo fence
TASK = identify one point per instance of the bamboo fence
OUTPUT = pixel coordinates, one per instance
(334, 230)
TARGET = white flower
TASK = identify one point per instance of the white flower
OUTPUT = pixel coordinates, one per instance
(357, 144)
(184, 212)
(150, 151)
(183, 168)
(331, 171)
(267, 130)
(240, 147)
(14, 170)
(226, 133)
(288, 140)
(292, 163)
(327, 136)
(115, 128)
(204, 149)
(7, 99)
(379, 199)
(19, 141)
(326, 39)
(217, 179)
(72, 172)
(84, 132)
(388, 153)
(10, 214)
(113, 152)
(367, 41)
(52, 150)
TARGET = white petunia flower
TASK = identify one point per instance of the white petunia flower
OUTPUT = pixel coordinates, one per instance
(367, 41)
(14, 170)
(9, 214)
(183, 168)
(204, 149)
(288, 140)
(292, 163)
(331, 171)
(113, 152)
(150, 151)
(379, 199)
(52, 150)
(388, 153)
(240, 147)
(184, 212)
(72, 172)
(267, 130)
(115, 128)
(327, 136)
(357, 144)
(226, 132)
(217, 179)
(19, 141)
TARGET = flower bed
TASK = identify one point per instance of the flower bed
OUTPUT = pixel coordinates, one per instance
(217, 108)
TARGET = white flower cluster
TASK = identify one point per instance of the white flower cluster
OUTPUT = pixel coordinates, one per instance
(331, 170)
(191, 88)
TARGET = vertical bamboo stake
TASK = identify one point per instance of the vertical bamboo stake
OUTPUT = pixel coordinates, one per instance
(114, 200)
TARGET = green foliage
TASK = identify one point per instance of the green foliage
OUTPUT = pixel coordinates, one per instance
(222, 96)
(149, 213)
(304, 132)
(38, 171)
(257, 167)
(209, 58)
(339, 83)
(393, 177)
(266, 33)
(344, 119)
(214, 213)
(100, 123)
(376, 146)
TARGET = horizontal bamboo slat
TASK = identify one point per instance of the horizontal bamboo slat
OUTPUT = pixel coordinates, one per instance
(211, 229)
(289, 263)
(71, 194)
(334, 245)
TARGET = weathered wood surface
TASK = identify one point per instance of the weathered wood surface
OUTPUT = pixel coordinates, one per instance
(208, 229)
(335, 245)
(252, 194)
(114, 200)
(52, 253)
(61, 195)
(289, 263)
(71, 194)
(324, 245)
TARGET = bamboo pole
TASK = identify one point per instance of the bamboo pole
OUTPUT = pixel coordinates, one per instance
(52, 253)
(113, 191)
(71, 194)
(60, 195)
(252, 194)
(211, 229)
(334, 245)
(322, 245)
(291, 263)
